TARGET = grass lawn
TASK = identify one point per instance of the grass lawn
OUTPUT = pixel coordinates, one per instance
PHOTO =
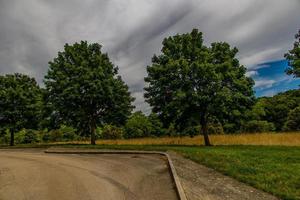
(274, 169)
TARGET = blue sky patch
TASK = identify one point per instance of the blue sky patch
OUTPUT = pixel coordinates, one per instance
(270, 78)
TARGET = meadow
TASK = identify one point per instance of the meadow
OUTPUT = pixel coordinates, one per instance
(282, 139)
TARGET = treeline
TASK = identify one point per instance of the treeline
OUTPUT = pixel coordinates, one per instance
(192, 89)
(269, 114)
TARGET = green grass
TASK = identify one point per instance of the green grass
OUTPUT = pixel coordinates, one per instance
(274, 169)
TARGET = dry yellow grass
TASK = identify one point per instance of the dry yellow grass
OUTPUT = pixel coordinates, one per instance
(287, 139)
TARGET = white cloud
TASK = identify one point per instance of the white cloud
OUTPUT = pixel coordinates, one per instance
(264, 83)
(251, 73)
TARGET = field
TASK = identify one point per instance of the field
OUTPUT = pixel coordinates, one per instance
(283, 139)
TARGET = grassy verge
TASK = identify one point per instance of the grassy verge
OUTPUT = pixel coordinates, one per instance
(274, 169)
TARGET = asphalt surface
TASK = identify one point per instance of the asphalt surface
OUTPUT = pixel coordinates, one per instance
(34, 175)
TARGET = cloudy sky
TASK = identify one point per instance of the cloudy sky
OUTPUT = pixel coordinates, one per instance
(33, 31)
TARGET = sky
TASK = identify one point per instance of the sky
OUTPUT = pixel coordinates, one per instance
(33, 31)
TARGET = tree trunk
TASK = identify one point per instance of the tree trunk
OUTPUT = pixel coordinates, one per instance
(12, 137)
(204, 131)
(93, 129)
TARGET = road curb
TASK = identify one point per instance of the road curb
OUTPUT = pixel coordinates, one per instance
(179, 188)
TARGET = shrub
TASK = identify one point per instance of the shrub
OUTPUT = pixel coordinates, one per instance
(19, 136)
(68, 133)
(255, 126)
(192, 131)
(4, 136)
(46, 137)
(98, 133)
(55, 135)
(230, 128)
(112, 132)
(215, 129)
(30, 136)
(138, 125)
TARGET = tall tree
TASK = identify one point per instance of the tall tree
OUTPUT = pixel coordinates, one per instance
(293, 56)
(20, 100)
(192, 82)
(85, 89)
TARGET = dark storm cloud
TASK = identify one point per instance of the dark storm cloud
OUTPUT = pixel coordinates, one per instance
(33, 31)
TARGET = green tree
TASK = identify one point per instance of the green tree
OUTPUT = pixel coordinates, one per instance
(156, 124)
(138, 125)
(85, 89)
(20, 100)
(278, 107)
(293, 120)
(190, 81)
(293, 56)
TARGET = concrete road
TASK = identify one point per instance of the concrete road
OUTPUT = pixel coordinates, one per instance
(33, 175)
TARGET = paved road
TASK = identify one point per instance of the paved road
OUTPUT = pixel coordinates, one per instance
(33, 175)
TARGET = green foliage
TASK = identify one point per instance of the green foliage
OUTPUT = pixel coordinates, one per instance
(4, 136)
(215, 129)
(171, 130)
(138, 125)
(30, 136)
(68, 133)
(192, 131)
(85, 89)
(27, 136)
(55, 135)
(112, 132)
(157, 125)
(47, 137)
(196, 130)
(230, 128)
(190, 81)
(276, 109)
(293, 56)
(293, 120)
(257, 126)
(20, 100)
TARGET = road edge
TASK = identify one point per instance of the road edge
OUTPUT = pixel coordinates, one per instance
(179, 189)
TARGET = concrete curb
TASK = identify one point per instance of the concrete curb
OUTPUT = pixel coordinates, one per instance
(179, 188)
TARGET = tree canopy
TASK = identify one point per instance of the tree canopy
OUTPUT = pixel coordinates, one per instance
(85, 89)
(190, 82)
(20, 100)
(277, 109)
(293, 56)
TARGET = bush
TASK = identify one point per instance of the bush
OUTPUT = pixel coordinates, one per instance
(55, 135)
(30, 136)
(46, 137)
(98, 133)
(293, 120)
(19, 136)
(192, 131)
(5, 136)
(112, 132)
(215, 129)
(68, 133)
(138, 125)
(230, 128)
(255, 126)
